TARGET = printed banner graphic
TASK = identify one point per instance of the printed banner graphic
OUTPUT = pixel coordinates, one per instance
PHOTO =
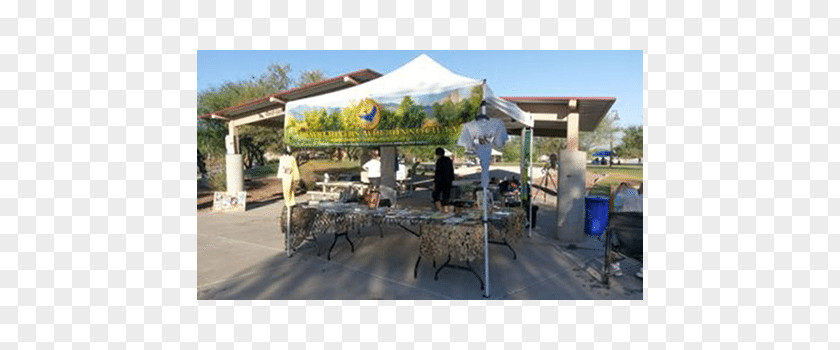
(426, 118)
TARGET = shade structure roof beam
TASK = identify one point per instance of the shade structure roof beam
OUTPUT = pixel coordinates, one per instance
(273, 113)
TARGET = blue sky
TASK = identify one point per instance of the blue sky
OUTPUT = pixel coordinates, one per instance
(510, 73)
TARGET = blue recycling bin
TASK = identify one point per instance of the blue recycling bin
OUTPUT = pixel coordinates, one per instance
(597, 215)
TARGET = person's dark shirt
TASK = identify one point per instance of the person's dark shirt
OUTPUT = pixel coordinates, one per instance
(444, 172)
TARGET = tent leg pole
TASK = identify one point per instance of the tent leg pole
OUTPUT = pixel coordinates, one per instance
(530, 176)
(486, 250)
(288, 231)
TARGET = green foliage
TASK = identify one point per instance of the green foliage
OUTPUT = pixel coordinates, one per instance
(210, 137)
(349, 116)
(310, 76)
(603, 133)
(548, 146)
(274, 79)
(450, 114)
(388, 120)
(217, 181)
(267, 170)
(317, 119)
(333, 121)
(314, 119)
(469, 108)
(252, 153)
(410, 114)
(446, 114)
(253, 141)
(202, 167)
(512, 149)
(267, 139)
(632, 143)
(419, 153)
(211, 133)
(395, 125)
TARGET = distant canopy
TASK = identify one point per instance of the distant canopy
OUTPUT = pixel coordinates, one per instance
(421, 102)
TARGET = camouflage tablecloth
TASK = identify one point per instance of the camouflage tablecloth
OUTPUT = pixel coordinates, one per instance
(440, 234)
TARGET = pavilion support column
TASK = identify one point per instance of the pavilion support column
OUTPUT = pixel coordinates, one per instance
(571, 184)
(572, 127)
(388, 188)
(233, 162)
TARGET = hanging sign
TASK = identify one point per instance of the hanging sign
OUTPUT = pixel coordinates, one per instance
(405, 119)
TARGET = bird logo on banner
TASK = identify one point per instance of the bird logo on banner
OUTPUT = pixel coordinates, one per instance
(370, 114)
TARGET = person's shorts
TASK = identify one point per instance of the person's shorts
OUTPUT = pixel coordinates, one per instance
(441, 194)
(375, 181)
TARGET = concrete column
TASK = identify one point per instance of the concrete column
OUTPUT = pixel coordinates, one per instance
(233, 162)
(387, 156)
(571, 190)
(572, 131)
(234, 136)
(235, 175)
(571, 182)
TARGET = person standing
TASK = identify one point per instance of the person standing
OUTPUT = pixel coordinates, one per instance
(373, 167)
(444, 175)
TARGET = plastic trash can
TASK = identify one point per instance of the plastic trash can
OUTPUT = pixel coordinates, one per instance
(597, 215)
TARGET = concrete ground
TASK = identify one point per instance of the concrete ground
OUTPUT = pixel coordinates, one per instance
(242, 256)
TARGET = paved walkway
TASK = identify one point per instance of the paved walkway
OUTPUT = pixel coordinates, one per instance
(241, 256)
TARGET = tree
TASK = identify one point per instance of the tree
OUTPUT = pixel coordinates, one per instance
(416, 152)
(388, 120)
(446, 113)
(632, 143)
(254, 141)
(202, 168)
(210, 137)
(512, 150)
(349, 116)
(411, 115)
(275, 78)
(468, 107)
(547, 146)
(310, 76)
(314, 119)
(604, 134)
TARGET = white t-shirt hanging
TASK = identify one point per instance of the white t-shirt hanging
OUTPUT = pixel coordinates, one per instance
(288, 173)
(483, 132)
(480, 136)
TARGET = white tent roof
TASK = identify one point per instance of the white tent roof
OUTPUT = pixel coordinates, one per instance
(420, 75)
(494, 152)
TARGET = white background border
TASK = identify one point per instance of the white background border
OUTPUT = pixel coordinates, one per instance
(97, 194)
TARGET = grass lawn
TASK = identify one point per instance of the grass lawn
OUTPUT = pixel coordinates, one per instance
(310, 171)
(617, 174)
(506, 163)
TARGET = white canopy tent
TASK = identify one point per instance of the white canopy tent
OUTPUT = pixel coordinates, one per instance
(422, 75)
(422, 79)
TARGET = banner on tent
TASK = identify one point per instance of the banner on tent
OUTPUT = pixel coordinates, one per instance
(425, 118)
